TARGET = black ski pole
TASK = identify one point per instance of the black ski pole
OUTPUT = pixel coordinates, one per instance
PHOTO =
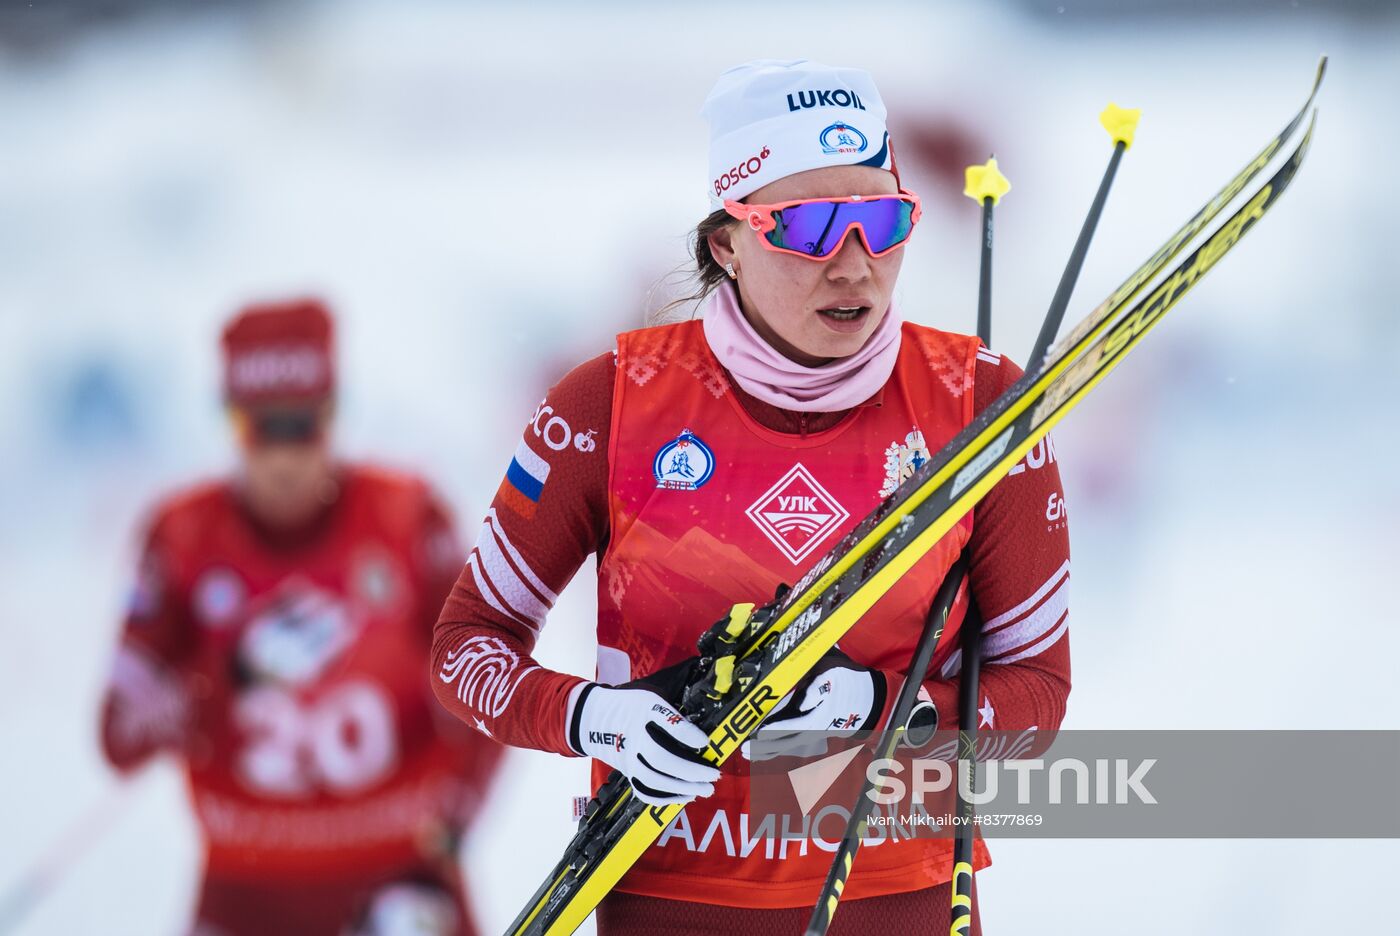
(985, 185)
(1121, 124)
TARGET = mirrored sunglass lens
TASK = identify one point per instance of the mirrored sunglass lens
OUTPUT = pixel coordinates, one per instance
(886, 222)
(816, 228)
(811, 229)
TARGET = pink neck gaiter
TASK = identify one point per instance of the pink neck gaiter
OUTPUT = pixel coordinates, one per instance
(766, 374)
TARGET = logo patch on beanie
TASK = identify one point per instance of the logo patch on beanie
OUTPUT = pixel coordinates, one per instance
(838, 98)
(842, 138)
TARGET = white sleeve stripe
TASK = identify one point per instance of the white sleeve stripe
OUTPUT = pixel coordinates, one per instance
(543, 590)
(134, 673)
(953, 665)
(493, 539)
(1009, 623)
(486, 592)
(507, 582)
(1030, 627)
(149, 704)
(1036, 648)
(535, 466)
(1053, 582)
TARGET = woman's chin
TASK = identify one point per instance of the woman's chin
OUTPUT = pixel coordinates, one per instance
(838, 339)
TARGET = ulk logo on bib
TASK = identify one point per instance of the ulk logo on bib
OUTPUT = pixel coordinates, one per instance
(797, 513)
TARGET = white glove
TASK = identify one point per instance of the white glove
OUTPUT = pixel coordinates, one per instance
(841, 698)
(638, 733)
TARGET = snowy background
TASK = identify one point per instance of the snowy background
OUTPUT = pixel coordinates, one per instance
(1234, 509)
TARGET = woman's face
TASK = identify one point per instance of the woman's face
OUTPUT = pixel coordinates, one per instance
(796, 304)
(287, 473)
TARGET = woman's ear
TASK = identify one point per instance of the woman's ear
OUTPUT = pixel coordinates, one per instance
(722, 245)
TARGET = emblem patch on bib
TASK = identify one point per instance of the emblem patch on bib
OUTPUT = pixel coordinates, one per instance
(902, 459)
(683, 464)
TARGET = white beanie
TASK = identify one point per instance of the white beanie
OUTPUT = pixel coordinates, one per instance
(770, 119)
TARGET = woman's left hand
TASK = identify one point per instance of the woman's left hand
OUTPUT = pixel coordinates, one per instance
(840, 698)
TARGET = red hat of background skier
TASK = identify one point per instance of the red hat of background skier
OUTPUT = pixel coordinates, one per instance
(279, 352)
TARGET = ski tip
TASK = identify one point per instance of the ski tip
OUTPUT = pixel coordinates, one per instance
(1120, 122)
(985, 181)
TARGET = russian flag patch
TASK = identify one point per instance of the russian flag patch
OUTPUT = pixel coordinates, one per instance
(524, 482)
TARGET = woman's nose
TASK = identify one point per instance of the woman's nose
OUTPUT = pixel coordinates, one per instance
(851, 262)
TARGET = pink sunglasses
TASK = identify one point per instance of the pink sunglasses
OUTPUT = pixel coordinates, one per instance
(815, 228)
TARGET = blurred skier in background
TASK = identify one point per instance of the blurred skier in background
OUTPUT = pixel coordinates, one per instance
(276, 641)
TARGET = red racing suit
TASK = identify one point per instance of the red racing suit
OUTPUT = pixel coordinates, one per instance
(287, 670)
